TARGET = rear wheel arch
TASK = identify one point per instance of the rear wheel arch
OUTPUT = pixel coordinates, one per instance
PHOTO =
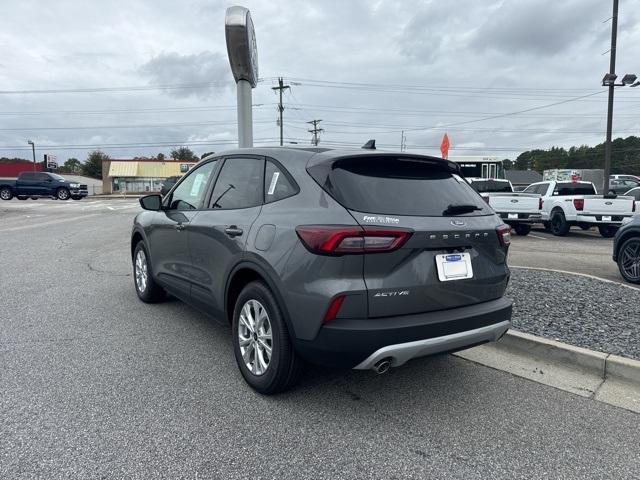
(241, 275)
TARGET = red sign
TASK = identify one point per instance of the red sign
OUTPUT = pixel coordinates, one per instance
(444, 146)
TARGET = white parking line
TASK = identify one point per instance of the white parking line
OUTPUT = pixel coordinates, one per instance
(538, 236)
(46, 224)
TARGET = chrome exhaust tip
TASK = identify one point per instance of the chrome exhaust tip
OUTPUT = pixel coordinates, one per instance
(382, 366)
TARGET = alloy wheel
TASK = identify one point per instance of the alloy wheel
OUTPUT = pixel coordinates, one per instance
(5, 194)
(630, 260)
(255, 337)
(141, 271)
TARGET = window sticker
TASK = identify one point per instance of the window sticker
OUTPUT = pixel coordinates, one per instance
(274, 181)
(197, 184)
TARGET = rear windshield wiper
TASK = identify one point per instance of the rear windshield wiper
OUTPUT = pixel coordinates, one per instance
(462, 208)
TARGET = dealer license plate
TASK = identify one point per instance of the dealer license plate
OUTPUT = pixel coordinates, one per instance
(454, 266)
(606, 218)
(512, 216)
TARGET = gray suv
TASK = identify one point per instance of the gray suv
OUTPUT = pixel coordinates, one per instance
(357, 259)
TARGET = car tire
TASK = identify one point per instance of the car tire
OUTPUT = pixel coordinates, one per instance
(607, 231)
(62, 194)
(584, 226)
(547, 226)
(146, 287)
(559, 225)
(629, 260)
(267, 373)
(75, 197)
(522, 229)
(21, 197)
(6, 193)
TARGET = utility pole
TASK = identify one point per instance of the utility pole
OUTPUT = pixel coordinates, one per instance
(403, 142)
(612, 70)
(315, 131)
(281, 86)
(33, 149)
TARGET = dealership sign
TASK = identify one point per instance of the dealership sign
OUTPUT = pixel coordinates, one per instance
(243, 59)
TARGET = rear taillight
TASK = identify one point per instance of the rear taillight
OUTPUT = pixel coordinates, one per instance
(504, 235)
(340, 240)
(540, 203)
(578, 203)
(334, 308)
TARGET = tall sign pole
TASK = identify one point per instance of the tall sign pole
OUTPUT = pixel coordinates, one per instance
(612, 70)
(243, 58)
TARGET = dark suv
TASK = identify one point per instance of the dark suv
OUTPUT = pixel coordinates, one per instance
(356, 259)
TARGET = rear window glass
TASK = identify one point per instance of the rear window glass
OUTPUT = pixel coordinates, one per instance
(569, 188)
(484, 186)
(398, 186)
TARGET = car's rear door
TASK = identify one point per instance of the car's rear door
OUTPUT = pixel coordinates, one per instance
(407, 193)
(218, 234)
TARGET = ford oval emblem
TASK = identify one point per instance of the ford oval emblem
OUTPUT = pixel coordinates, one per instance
(514, 201)
(458, 223)
(608, 203)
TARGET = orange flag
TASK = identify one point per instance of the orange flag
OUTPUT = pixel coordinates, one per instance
(444, 146)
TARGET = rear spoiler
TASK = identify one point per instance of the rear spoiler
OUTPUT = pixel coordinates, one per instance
(321, 165)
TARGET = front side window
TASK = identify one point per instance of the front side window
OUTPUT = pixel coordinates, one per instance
(189, 195)
(239, 185)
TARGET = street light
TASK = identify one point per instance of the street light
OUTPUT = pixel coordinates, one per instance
(609, 81)
(33, 149)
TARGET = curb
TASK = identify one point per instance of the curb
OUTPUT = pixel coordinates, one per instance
(604, 365)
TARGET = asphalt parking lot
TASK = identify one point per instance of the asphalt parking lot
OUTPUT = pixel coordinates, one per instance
(95, 383)
(580, 251)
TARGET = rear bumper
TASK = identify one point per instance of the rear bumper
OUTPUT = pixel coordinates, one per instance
(402, 352)
(356, 343)
(615, 219)
(520, 217)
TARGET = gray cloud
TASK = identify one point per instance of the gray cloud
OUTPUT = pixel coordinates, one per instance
(543, 28)
(205, 67)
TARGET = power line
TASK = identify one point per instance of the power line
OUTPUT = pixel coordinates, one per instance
(98, 127)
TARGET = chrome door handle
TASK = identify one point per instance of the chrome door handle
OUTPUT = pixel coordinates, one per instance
(233, 231)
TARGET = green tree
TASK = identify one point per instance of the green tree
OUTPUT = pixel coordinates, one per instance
(92, 167)
(72, 165)
(184, 154)
(508, 164)
(161, 157)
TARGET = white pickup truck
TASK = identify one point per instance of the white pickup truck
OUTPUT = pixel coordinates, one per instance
(519, 210)
(567, 204)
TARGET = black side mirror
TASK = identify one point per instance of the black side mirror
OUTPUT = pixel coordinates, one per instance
(151, 202)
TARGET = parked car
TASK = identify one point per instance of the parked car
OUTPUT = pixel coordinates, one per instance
(41, 184)
(567, 204)
(622, 185)
(626, 250)
(350, 259)
(519, 210)
(635, 193)
(168, 184)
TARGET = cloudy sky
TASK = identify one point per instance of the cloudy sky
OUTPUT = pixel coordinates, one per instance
(136, 78)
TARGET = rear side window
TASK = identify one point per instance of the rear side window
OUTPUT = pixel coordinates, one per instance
(485, 186)
(278, 184)
(398, 186)
(26, 176)
(570, 188)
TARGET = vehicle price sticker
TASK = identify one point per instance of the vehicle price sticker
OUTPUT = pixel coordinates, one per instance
(512, 216)
(274, 182)
(454, 266)
(606, 218)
